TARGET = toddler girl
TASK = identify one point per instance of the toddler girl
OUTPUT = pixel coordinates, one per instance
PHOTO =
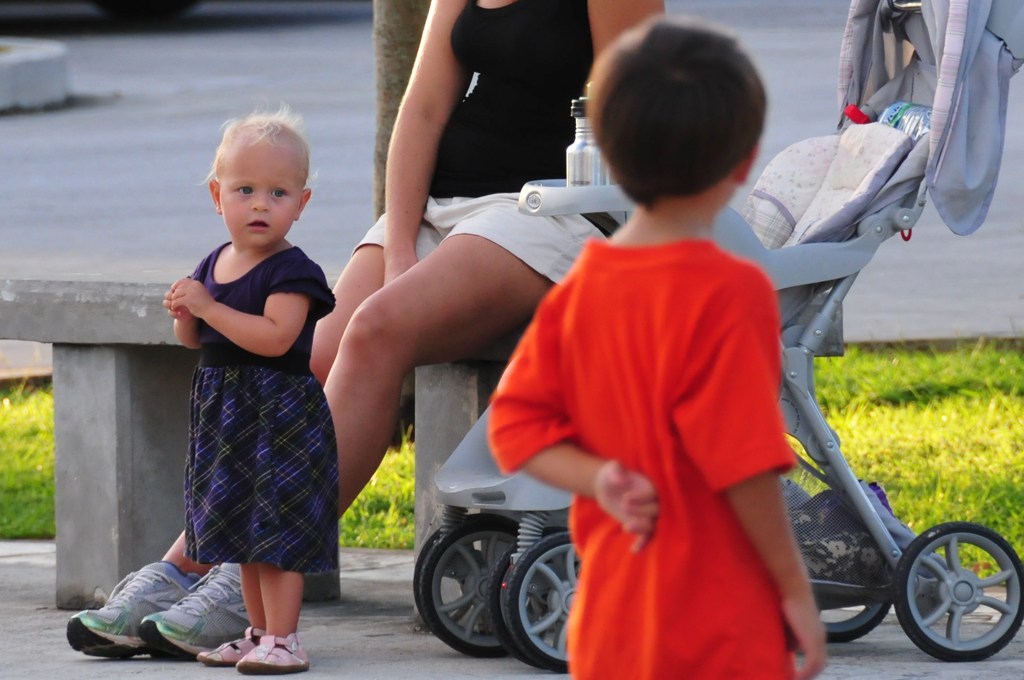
(261, 480)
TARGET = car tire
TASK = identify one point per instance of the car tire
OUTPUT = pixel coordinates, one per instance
(144, 9)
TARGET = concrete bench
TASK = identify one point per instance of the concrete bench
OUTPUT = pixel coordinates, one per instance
(449, 399)
(121, 383)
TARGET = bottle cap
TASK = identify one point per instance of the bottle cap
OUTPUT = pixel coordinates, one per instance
(856, 115)
(578, 108)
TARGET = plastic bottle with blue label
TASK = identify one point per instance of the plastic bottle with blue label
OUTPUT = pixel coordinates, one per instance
(913, 119)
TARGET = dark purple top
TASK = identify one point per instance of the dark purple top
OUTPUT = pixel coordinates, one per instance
(289, 271)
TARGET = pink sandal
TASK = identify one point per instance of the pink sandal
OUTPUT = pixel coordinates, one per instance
(230, 653)
(275, 655)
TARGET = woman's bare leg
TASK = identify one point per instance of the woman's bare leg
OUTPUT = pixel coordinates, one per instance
(362, 276)
(462, 297)
(176, 556)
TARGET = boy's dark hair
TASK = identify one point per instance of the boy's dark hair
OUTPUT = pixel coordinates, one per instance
(675, 105)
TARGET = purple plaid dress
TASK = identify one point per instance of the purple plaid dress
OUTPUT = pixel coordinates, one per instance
(261, 479)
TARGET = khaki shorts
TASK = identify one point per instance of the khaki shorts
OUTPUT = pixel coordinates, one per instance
(548, 245)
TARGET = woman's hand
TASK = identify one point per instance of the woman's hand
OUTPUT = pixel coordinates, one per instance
(397, 261)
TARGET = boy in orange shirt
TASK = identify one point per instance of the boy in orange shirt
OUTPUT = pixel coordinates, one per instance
(647, 385)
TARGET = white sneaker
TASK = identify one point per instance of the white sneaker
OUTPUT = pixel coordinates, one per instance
(209, 616)
(113, 629)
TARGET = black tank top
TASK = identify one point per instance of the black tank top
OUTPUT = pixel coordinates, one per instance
(532, 58)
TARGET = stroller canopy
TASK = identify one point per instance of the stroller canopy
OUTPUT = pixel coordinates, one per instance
(955, 56)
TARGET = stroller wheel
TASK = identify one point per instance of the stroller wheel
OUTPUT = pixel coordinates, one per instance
(495, 586)
(958, 592)
(417, 570)
(847, 624)
(538, 592)
(499, 615)
(450, 587)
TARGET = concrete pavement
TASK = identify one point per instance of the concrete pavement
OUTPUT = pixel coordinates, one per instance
(372, 633)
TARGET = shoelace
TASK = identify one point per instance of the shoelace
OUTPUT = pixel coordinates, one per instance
(131, 584)
(210, 591)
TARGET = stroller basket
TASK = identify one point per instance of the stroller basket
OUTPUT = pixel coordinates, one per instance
(834, 542)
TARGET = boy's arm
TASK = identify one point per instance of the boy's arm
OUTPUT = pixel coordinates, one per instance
(760, 509)
(628, 496)
(566, 466)
(529, 429)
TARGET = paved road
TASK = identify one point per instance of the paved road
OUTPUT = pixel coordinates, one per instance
(111, 186)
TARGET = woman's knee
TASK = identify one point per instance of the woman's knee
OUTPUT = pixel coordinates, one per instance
(361, 278)
(326, 340)
(377, 336)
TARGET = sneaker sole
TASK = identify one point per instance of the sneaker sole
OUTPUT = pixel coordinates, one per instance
(86, 641)
(149, 632)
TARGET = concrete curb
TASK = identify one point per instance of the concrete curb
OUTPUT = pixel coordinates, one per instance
(33, 74)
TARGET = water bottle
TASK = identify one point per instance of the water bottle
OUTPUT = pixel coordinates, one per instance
(913, 119)
(584, 165)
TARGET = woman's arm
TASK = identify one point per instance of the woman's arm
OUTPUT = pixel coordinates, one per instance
(436, 84)
(609, 18)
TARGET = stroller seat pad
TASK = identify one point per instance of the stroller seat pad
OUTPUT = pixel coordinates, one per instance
(817, 189)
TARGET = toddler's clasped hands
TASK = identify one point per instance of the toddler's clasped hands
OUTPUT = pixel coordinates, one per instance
(186, 298)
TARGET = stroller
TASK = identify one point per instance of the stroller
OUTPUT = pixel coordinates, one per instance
(499, 574)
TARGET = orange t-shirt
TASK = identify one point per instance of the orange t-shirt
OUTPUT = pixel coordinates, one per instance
(666, 358)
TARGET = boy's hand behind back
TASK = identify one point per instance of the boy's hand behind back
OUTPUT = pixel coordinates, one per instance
(629, 497)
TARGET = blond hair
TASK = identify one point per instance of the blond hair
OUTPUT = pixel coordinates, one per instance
(281, 126)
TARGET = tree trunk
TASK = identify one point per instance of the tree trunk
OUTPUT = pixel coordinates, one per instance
(397, 25)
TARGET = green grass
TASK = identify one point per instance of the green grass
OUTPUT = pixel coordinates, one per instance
(26, 461)
(941, 429)
(382, 515)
